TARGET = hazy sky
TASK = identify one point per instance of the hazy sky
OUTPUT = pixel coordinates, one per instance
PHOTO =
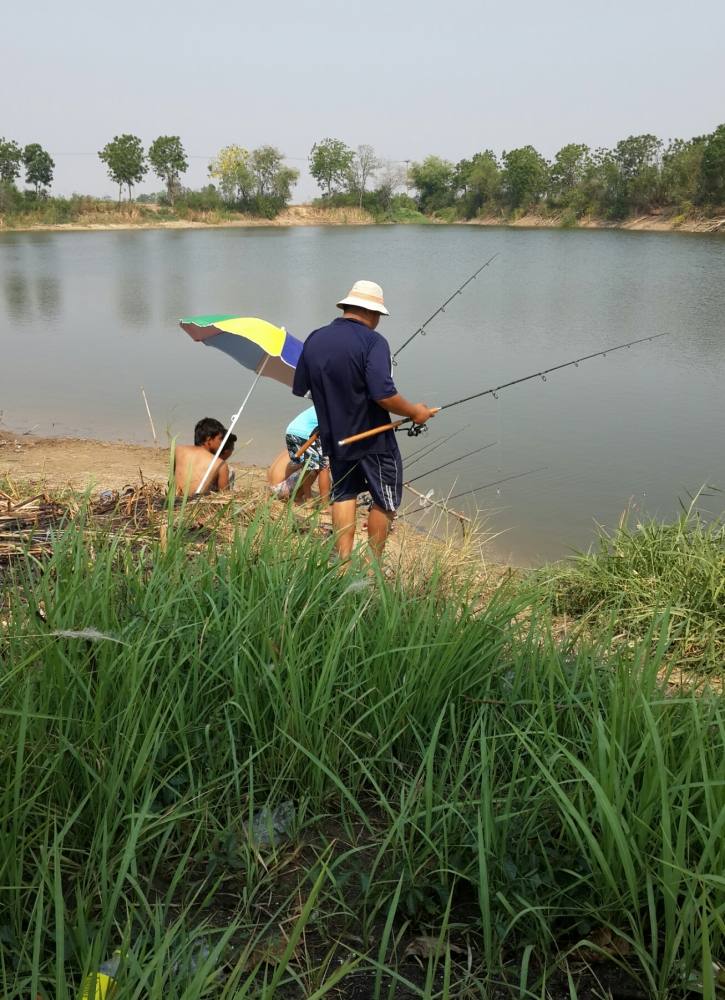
(408, 78)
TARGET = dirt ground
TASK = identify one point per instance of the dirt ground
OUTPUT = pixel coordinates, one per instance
(81, 464)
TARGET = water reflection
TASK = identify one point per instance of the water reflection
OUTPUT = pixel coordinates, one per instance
(134, 279)
(17, 295)
(48, 294)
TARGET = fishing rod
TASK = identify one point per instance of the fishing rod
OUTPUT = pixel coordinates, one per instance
(421, 329)
(465, 493)
(440, 309)
(449, 462)
(417, 428)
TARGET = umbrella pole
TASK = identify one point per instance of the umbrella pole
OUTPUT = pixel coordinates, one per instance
(236, 417)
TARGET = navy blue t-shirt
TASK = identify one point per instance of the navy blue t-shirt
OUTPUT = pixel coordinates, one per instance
(346, 366)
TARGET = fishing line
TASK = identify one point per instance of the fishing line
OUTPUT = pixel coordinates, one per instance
(496, 482)
(415, 456)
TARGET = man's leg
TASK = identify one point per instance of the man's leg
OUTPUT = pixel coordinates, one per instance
(384, 477)
(325, 484)
(379, 522)
(343, 524)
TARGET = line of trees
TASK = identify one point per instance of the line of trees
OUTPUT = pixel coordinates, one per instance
(36, 161)
(640, 174)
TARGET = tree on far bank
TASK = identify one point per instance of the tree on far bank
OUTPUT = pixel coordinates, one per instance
(330, 164)
(391, 178)
(638, 159)
(10, 158)
(38, 167)
(231, 168)
(125, 161)
(168, 159)
(680, 171)
(568, 171)
(525, 177)
(712, 168)
(433, 179)
(364, 165)
(479, 182)
(273, 180)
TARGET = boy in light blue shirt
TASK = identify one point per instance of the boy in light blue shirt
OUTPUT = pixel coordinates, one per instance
(284, 474)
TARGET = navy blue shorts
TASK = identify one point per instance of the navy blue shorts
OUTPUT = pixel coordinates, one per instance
(379, 475)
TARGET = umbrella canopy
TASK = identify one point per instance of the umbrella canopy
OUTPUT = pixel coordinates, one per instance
(258, 345)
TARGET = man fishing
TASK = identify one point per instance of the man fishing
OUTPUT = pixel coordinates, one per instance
(346, 367)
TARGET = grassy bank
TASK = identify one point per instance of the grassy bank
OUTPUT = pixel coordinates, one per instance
(471, 806)
(82, 212)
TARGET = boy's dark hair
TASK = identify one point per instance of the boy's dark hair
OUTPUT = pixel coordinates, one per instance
(229, 443)
(207, 428)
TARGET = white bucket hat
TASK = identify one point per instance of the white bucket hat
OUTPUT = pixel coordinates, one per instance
(366, 295)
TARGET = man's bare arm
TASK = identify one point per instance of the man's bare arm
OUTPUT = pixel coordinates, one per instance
(223, 477)
(417, 412)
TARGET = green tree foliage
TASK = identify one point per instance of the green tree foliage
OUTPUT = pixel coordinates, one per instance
(638, 159)
(434, 180)
(568, 173)
(478, 183)
(273, 181)
(712, 175)
(38, 167)
(168, 160)
(10, 158)
(330, 164)
(680, 171)
(231, 168)
(524, 178)
(125, 161)
(256, 181)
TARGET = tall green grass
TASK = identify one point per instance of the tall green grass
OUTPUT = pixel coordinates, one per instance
(637, 573)
(455, 773)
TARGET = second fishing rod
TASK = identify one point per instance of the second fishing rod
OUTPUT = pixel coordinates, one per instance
(415, 429)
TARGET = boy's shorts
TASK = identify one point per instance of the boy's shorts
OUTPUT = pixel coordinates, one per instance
(313, 455)
(380, 475)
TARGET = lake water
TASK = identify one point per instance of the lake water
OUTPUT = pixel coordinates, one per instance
(87, 318)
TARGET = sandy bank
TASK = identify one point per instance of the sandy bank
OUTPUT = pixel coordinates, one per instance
(295, 215)
(314, 215)
(658, 222)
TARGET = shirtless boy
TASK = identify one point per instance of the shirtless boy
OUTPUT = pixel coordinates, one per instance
(192, 461)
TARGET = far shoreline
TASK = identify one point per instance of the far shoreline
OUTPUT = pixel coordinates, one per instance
(315, 215)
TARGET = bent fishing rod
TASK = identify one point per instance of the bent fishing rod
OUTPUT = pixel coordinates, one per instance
(416, 429)
(421, 329)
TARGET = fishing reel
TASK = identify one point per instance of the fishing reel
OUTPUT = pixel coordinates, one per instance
(415, 429)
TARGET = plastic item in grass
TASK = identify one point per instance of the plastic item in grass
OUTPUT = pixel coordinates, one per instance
(101, 984)
(271, 827)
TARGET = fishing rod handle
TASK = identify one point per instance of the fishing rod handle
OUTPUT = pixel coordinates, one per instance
(373, 431)
(385, 427)
(308, 444)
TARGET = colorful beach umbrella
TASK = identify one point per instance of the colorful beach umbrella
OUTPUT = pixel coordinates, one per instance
(258, 345)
